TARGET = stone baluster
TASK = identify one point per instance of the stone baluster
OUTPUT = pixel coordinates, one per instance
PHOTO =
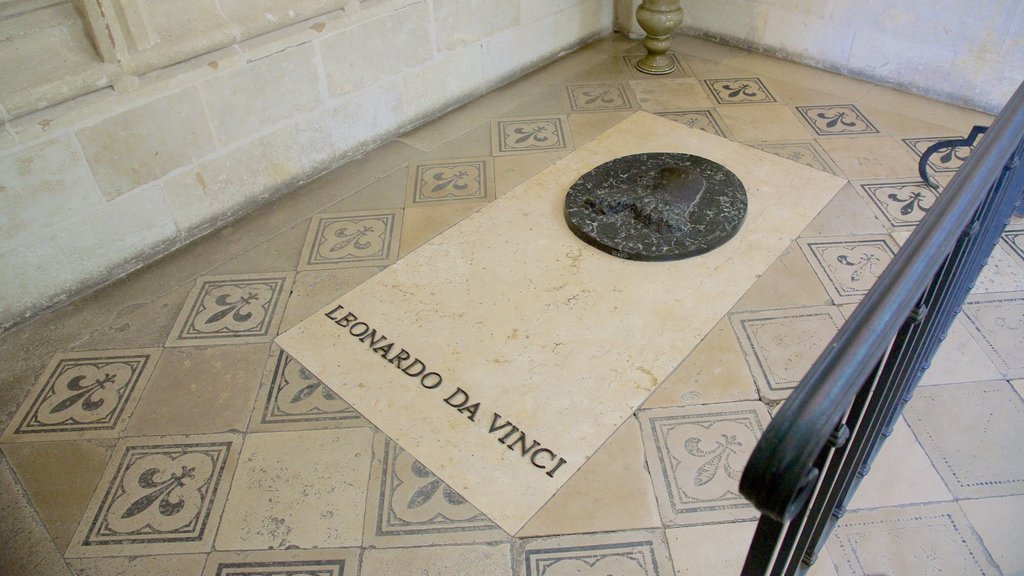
(658, 18)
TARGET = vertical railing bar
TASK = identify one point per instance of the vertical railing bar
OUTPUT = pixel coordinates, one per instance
(854, 420)
(760, 555)
(822, 463)
(977, 203)
(920, 343)
(846, 473)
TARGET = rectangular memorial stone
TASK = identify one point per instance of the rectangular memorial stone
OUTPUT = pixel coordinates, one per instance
(506, 351)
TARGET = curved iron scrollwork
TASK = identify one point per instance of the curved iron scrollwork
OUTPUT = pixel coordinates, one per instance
(926, 156)
(821, 443)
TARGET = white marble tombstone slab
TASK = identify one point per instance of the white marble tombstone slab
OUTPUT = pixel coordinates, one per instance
(546, 344)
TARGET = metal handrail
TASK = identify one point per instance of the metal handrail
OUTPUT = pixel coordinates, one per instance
(788, 463)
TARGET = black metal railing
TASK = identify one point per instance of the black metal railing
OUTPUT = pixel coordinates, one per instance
(812, 456)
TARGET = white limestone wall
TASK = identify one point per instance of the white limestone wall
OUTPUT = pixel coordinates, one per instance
(98, 185)
(968, 53)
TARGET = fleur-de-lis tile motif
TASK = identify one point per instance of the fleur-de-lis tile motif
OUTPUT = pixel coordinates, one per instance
(841, 119)
(231, 310)
(739, 91)
(598, 97)
(705, 120)
(351, 239)
(717, 457)
(945, 160)
(469, 179)
(696, 456)
(160, 493)
(848, 266)
(421, 496)
(157, 493)
(524, 135)
(806, 153)
(415, 506)
(902, 204)
(780, 345)
(86, 395)
(296, 399)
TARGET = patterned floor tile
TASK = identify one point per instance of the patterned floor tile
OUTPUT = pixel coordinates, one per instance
(696, 456)
(971, 432)
(526, 135)
(928, 539)
(739, 91)
(682, 69)
(489, 559)
(336, 562)
(237, 309)
(1013, 240)
(707, 120)
(159, 495)
(451, 180)
(639, 553)
(598, 97)
(352, 239)
(946, 159)
(298, 489)
(667, 95)
(997, 323)
(836, 120)
(805, 152)
(291, 398)
(84, 395)
(781, 344)
(848, 266)
(408, 505)
(901, 203)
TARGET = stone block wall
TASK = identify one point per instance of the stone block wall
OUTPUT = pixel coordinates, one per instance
(966, 53)
(156, 151)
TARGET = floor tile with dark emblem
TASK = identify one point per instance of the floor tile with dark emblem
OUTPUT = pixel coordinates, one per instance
(236, 309)
(158, 495)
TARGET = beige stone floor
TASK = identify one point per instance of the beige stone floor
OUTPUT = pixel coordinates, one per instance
(153, 428)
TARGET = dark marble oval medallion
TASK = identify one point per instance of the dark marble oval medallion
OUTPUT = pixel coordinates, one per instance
(656, 206)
